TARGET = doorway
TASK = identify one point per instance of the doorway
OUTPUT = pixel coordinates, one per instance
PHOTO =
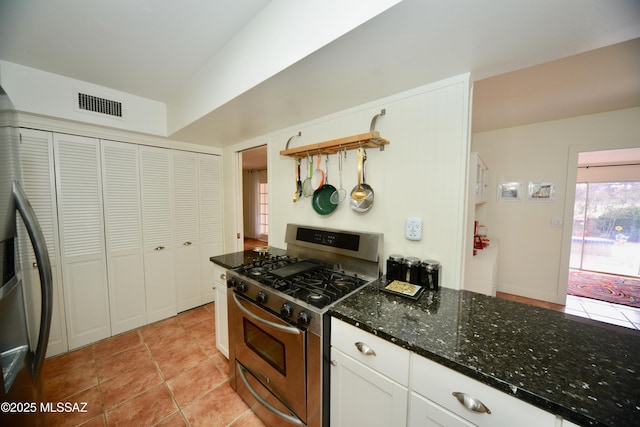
(605, 242)
(255, 197)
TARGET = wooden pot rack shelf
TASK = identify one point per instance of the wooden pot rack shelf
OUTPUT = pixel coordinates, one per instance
(364, 140)
(370, 139)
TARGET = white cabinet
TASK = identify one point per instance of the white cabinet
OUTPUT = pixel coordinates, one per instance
(425, 413)
(369, 379)
(437, 385)
(198, 225)
(481, 271)
(210, 197)
(38, 182)
(158, 236)
(187, 229)
(222, 322)
(123, 231)
(82, 244)
(124, 224)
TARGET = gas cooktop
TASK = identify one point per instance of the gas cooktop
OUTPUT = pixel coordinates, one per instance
(315, 282)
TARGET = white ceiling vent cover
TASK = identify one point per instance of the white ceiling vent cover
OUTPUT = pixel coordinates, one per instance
(99, 105)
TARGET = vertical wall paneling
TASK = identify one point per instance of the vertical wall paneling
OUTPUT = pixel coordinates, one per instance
(157, 226)
(82, 246)
(38, 181)
(123, 232)
(210, 189)
(187, 229)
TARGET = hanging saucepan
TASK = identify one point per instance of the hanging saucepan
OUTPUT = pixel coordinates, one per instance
(322, 202)
(362, 194)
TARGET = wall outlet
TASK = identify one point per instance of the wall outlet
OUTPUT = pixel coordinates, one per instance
(413, 228)
(557, 222)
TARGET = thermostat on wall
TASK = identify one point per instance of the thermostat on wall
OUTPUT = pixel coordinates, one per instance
(413, 228)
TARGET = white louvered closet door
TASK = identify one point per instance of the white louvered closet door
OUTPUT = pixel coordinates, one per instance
(210, 189)
(82, 246)
(123, 232)
(187, 230)
(157, 227)
(38, 182)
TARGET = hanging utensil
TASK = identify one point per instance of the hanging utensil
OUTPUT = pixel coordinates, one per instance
(358, 193)
(339, 195)
(364, 204)
(318, 176)
(298, 192)
(307, 186)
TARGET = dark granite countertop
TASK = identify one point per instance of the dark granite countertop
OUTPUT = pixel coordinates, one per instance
(236, 259)
(585, 371)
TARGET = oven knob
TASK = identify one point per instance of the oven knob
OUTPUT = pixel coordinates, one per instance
(242, 287)
(261, 297)
(303, 318)
(286, 310)
(232, 282)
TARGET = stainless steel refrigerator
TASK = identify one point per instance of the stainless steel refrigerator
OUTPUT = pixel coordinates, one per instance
(21, 352)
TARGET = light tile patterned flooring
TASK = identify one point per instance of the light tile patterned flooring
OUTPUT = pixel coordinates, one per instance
(169, 373)
(616, 314)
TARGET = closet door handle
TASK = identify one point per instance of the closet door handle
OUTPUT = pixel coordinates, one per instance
(159, 248)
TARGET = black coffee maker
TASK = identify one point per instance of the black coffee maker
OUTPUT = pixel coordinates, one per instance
(430, 274)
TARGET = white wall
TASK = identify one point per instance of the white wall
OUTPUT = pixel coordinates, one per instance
(422, 172)
(534, 256)
(38, 92)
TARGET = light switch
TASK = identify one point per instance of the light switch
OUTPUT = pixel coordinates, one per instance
(413, 228)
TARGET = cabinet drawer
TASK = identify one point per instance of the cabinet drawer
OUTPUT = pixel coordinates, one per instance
(438, 383)
(387, 358)
(219, 274)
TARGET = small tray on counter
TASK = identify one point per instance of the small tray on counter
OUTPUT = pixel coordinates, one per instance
(404, 289)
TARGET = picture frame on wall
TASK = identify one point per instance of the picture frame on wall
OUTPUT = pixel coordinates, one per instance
(509, 191)
(541, 191)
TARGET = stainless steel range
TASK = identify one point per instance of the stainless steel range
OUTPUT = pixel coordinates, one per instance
(277, 309)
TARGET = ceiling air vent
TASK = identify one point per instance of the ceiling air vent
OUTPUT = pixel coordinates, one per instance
(99, 105)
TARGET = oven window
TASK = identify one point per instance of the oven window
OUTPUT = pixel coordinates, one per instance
(266, 346)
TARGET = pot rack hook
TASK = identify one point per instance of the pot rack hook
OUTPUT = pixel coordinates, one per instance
(372, 128)
(289, 140)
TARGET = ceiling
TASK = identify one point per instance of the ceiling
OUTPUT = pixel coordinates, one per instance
(154, 48)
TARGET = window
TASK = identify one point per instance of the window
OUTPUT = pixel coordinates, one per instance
(263, 197)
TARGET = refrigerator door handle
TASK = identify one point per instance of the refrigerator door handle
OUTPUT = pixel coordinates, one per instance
(44, 270)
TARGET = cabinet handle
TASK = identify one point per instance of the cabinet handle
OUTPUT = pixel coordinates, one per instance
(334, 363)
(187, 244)
(365, 349)
(223, 276)
(34, 265)
(471, 403)
(159, 248)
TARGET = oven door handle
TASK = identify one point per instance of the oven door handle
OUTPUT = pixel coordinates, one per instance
(289, 417)
(284, 328)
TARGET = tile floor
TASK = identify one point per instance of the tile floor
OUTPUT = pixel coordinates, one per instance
(165, 374)
(616, 314)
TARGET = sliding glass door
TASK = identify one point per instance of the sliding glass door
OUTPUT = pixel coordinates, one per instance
(606, 228)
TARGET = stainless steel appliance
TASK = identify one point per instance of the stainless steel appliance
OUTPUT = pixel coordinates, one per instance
(277, 308)
(21, 354)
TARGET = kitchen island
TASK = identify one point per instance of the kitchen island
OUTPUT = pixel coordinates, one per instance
(584, 371)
